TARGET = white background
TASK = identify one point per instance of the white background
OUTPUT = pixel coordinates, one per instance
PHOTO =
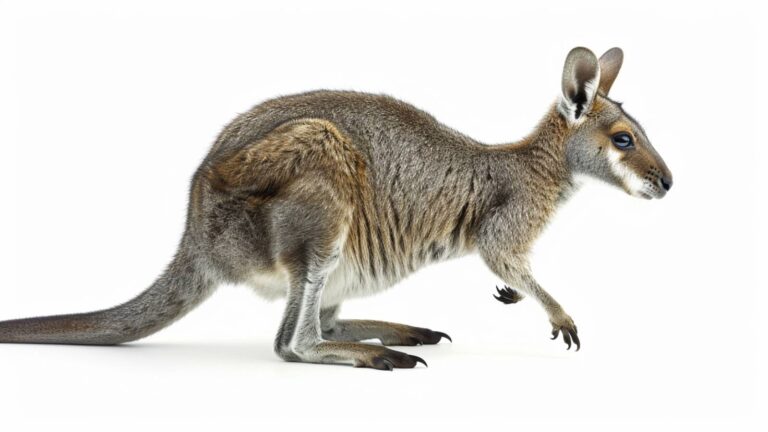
(108, 108)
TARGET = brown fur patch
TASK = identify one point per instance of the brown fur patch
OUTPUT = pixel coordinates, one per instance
(598, 106)
(621, 126)
(265, 168)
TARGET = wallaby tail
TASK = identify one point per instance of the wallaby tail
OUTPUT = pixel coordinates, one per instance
(177, 291)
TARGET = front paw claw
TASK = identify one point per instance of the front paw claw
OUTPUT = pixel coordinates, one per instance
(569, 330)
(507, 295)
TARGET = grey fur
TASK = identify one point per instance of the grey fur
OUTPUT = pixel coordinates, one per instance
(179, 289)
(328, 195)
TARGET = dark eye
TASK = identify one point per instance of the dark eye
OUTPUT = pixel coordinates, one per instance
(622, 140)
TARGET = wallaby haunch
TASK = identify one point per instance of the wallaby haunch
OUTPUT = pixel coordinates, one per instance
(327, 195)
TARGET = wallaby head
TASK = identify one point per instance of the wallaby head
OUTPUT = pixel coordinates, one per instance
(603, 140)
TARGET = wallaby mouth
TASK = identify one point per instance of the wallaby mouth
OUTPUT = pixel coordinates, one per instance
(656, 183)
(651, 190)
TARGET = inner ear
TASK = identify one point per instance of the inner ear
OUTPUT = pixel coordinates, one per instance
(610, 64)
(581, 75)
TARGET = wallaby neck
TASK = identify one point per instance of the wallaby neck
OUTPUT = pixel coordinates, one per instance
(540, 159)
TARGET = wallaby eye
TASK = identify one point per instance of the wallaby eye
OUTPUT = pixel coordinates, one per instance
(622, 140)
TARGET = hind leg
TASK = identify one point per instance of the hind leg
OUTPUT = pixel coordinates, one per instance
(301, 339)
(311, 233)
(387, 332)
(297, 187)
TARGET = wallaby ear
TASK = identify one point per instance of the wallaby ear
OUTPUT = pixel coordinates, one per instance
(581, 76)
(610, 64)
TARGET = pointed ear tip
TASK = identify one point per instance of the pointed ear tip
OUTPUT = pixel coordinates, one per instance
(581, 55)
(580, 50)
(614, 52)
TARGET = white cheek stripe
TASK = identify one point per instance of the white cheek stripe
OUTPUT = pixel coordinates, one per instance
(632, 182)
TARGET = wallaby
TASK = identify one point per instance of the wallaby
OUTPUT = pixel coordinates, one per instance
(327, 195)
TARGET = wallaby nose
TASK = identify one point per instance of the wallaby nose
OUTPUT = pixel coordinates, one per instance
(666, 183)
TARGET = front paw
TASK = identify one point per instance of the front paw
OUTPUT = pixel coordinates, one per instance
(508, 295)
(563, 323)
